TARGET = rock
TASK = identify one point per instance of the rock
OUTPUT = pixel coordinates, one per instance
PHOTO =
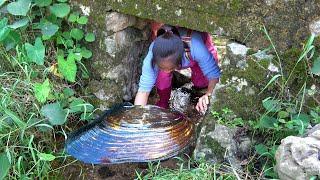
(299, 158)
(105, 93)
(116, 21)
(117, 54)
(287, 22)
(312, 130)
(221, 144)
(242, 77)
(180, 98)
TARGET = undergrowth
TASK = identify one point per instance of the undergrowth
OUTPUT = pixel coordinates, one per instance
(41, 73)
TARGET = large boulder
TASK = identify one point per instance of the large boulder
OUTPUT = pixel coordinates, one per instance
(299, 157)
(218, 143)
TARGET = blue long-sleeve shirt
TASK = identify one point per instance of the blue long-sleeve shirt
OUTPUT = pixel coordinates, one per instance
(199, 53)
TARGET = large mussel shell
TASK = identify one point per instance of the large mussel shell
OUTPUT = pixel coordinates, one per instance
(132, 134)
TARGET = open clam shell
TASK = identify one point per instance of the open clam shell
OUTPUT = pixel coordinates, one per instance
(132, 134)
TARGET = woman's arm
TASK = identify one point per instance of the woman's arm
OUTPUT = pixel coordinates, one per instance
(203, 102)
(208, 66)
(147, 79)
(141, 98)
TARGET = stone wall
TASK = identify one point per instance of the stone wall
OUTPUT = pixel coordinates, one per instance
(289, 22)
(118, 52)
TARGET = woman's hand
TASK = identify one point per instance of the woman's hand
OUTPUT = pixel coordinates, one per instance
(202, 104)
(141, 98)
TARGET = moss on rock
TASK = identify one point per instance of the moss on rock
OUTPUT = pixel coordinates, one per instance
(217, 150)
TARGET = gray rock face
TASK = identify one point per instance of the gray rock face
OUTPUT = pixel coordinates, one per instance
(116, 21)
(288, 22)
(243, 77)
(115, 67)
(221, 144)
(299, 158)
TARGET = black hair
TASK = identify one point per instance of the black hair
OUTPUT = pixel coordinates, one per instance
(168, 43)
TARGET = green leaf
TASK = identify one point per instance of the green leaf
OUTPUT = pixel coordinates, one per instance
(76, 105)
(60, 40)
(43, 3)
(90, 37)
(261, 149)
(283, 114)
(70, 43)
(271, 80)
(315, 117)
(12, 40)
(36, 53)
(62, 0)
(15, 118)
(72, 18)
(298, 125)
(1, 2)
(45, 38)
(54, 113)
(86, 53)
(291, 110)
(313, 178)
(86, 116)
(88, 107)
(46, 157)
(308, 47)
(82, 20)
(78, 56)
(4, 29)
(42, 91)
(77, 33)
(68, 68)
(267, 122)
(45, 126)
(49, 29)
(19, 23)
(68, 92)
(5, 165)
(305, 118)
(66, 35)
(53, 19)
(272, 105)
(19, 8)
(60, 10)
(316, 67)
(269, 171)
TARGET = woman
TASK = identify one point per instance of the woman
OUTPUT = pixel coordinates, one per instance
(175, 49)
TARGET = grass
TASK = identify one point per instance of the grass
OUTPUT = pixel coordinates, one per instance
(33, 148)
(196, 170)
